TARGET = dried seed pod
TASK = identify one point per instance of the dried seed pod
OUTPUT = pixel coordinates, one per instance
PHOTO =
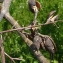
(55, 18)
(34, 6)
(52, 13)
(42, 46)
(50, 45)
(37, 40)
(38, 5)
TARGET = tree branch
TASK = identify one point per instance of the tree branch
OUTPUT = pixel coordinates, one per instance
(5, 8)
(9, 57)
(2, 50)
(39, 55)
(29, 27)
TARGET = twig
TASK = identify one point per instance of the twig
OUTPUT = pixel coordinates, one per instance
(5, 8)
(2, 50)
(9, 57)
(18, 59)
(29, 27)
(38, 55)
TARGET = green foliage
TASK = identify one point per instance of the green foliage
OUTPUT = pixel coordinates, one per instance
(13, 43)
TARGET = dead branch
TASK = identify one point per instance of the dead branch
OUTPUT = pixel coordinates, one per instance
(52, 13)
(9, 57)
(2, 50)
(12, 59)
(5, 8)
(18, 59)
(39, 55)
(29, 27)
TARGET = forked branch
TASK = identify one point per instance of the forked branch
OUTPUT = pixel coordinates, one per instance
(39, 55)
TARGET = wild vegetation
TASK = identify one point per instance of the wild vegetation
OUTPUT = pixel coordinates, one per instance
(15, 46)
